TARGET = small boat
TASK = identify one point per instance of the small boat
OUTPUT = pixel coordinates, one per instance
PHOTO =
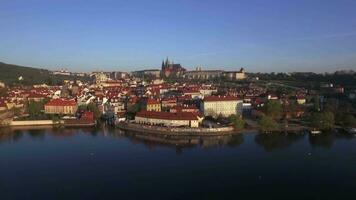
(315, 131)
(351, 130)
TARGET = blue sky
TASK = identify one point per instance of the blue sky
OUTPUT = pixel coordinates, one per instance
(261, 35)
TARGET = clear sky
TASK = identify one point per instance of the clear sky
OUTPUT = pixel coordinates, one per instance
(260, 35)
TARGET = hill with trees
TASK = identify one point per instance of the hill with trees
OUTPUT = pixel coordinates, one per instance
(9, 74)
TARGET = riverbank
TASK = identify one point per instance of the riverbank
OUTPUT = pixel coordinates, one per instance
(46, 123)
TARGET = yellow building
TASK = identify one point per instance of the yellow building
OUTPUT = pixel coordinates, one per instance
(61, 106)
(153, 105)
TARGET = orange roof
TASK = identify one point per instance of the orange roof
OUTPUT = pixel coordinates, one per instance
(152, 101)
(167, 115)
(61, 102)
(221, 98)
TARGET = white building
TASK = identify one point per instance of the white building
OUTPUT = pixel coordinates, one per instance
(236, 75)
(101, 77)
(63, 72)
(221, 105)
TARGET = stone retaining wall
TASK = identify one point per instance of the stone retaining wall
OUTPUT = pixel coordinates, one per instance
(175, 130)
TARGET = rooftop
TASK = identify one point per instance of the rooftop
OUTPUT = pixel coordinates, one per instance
(167, 115)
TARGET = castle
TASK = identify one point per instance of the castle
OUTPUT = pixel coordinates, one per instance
(169, 69)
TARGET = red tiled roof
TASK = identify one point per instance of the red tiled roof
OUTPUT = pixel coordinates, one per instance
(61, 102)
(184, 107)
(36, 95)
(167, 115)
(152, 101)
(221, 98)
(2, 104)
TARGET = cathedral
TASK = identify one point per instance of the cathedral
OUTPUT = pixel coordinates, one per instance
(169, 69)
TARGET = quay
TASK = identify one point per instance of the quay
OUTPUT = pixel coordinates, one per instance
(176, 131)
(40, 123)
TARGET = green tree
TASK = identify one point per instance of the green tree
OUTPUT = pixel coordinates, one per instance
(316, 101)
(274, 109)
(267, 124)
(349, 121)
(134, 108)
(322, 120)
(56, 118)
(35, 109)
(94, 108)
(3, 92)
(237, 121)
(17, 111)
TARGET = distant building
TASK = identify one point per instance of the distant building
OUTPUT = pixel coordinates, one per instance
(198, 73)
(236, 75)
(118, 75)
(301, 100)
(111, 83)
(79, 74)
(36, 97)
(61, 106)
(169, 102)
(203, 74)
(169, 69)
(63, 72)
(149, 73)
(3, 106)
(184, 108)
(153, 105)
(187, 119)
(221, 105)
(101, 77)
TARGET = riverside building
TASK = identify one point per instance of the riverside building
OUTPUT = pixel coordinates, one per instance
(221, 105)
(185, 119)
(61, 106)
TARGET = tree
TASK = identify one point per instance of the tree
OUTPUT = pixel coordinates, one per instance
(94, 108)
(323, 120)
(237, 121)
(134, 108)
(316, 101)
(349, 121)
(274, 109)
(56, 119)
(35, 109)
(267, 124)
(17, 111)
(3, 92)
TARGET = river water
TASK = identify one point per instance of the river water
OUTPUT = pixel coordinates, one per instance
(110, 164)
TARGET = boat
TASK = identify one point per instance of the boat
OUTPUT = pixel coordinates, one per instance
(351, 130)
(315, 131)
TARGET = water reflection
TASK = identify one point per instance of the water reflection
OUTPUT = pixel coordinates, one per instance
(326, 140)
(182, 143)
(275, 141)
(269, 142)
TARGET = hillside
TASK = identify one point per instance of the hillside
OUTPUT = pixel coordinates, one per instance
(10, 73)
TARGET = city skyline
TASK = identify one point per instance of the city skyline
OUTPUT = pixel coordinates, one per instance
(273, 36)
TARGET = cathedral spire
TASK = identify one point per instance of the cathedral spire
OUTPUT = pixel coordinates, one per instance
(167, 61)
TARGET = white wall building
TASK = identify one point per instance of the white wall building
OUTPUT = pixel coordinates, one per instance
(221, 105)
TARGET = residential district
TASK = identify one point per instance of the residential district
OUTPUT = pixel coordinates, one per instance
(174, 98)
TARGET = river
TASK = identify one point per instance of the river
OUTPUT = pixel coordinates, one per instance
(111, 164)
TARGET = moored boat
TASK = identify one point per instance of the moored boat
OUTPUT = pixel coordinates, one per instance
(315, 131)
